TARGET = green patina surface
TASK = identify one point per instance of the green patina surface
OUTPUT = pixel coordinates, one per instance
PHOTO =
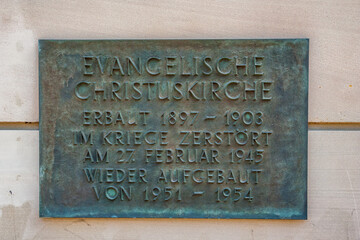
(173, 128)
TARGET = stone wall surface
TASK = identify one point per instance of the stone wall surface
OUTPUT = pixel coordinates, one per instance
(334, 107)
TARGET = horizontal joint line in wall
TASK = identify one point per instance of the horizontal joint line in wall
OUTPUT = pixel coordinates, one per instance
(313, 126)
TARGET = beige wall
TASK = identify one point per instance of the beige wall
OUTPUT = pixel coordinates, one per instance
(334, 107)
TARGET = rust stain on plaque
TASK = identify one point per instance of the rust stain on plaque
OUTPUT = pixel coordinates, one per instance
(173, 128)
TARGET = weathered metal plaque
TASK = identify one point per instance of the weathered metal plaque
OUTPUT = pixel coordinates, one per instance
(173, 128)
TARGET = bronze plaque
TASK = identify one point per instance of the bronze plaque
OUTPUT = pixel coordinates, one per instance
(173, 128)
